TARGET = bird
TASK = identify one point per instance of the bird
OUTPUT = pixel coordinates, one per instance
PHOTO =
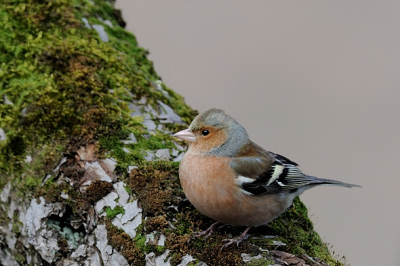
(232, 180)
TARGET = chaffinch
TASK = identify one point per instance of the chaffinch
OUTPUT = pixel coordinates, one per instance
(234, 181)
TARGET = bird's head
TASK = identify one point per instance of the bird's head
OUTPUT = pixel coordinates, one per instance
(213, 132)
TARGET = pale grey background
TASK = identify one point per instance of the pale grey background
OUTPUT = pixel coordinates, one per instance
(316, 81)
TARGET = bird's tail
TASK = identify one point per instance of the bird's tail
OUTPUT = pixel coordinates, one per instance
(329, 182)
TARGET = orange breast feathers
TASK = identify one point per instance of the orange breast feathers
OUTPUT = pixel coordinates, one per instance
(208, 183)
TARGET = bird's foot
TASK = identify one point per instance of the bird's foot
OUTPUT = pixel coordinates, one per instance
(236, 240)
(207, 233)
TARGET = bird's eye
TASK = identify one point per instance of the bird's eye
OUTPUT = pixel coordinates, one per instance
(205, 132)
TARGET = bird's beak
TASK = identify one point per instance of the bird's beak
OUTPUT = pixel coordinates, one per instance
(185, 135)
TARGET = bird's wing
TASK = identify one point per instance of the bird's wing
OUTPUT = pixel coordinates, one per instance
(269, 173)
(261, 175)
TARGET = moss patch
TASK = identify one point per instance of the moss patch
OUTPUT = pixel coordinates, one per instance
(295, 229)
(123, 243)
(156, 223)
(97, 190)
(65, 84)
(156, 186)
(111, 213)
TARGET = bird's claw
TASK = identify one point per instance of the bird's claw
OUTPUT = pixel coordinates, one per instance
(237, 240)
(206, 233)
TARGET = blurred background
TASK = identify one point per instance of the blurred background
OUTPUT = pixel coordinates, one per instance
(318, 82)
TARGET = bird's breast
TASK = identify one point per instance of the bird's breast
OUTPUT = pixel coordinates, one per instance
(209, 184)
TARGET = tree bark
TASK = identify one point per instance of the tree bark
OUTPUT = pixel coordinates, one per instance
(88, 167)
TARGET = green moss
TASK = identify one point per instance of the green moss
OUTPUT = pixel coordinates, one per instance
(122, 242)
(20, 259)
(115, 147)
(260, 262)
(32, 182)
(64, 81)
(295, 229)
(160, 249)
(111, 213)
(140, 241)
